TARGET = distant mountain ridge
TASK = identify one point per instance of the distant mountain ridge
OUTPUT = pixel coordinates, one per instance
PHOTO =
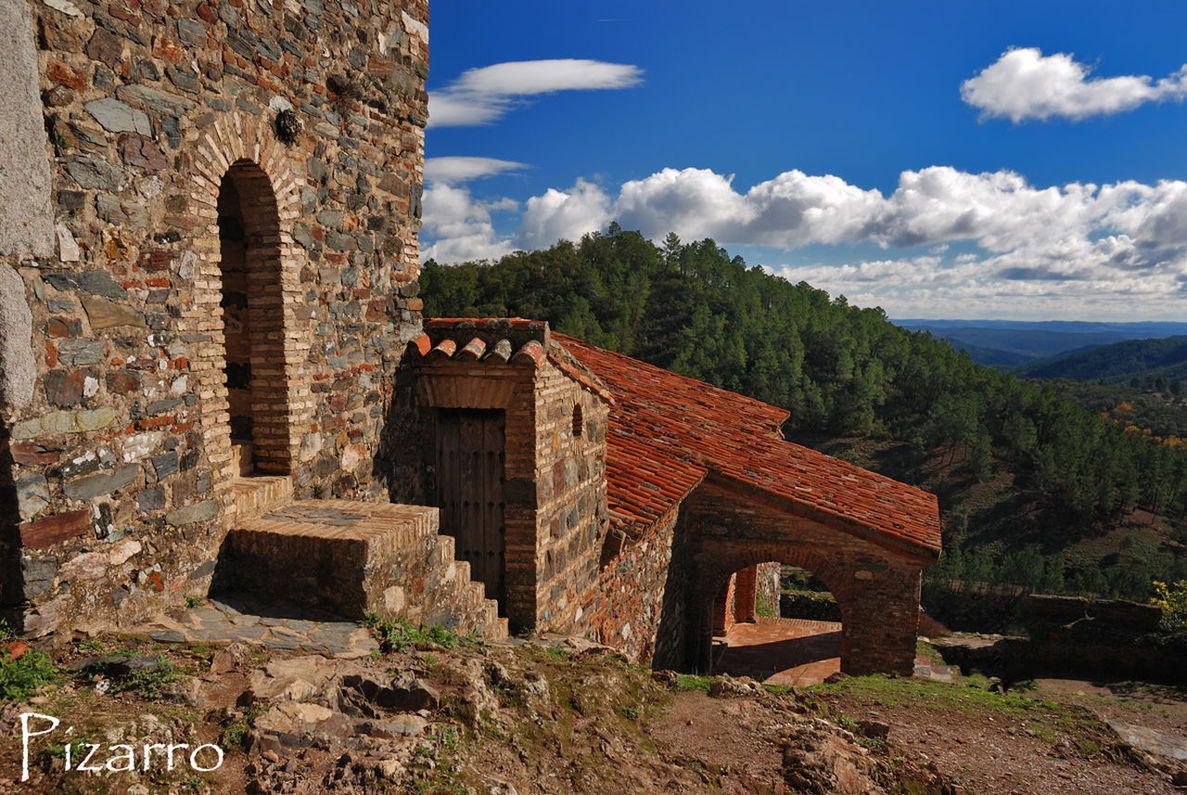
(1007, 344)
(1166, 357)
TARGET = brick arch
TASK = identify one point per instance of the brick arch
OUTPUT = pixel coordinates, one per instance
(713, 576)
(245, 145)
(735, 564)
(878, 598)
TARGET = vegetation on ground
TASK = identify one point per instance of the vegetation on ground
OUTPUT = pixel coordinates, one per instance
(400, 635)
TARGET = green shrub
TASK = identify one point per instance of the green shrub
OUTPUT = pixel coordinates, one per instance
(20, 678)
(1173, 601)
(401, 635)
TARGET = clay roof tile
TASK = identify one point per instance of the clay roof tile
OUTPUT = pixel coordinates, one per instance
(673, 431)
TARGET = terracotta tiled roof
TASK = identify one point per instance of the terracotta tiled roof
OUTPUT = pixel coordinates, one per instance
(500, 340)
(668, 432)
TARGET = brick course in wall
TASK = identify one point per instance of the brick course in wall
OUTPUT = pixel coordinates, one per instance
(121, 465)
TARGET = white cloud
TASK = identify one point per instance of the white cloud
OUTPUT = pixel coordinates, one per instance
(564, 215)
(1024, 84)
(522, 78)
(460, 226)
(484, 95)
(450, 170)
(1122, 244)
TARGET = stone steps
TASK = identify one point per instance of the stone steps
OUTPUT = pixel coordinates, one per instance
(354, 558)
(254, 496)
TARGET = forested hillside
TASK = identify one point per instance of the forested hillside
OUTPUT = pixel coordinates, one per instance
(1121, 362)
(1035, 489)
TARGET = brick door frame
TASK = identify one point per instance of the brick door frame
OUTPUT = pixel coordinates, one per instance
(235, 140)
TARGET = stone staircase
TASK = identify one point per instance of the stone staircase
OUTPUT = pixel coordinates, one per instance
(253, 495)
(353, 558)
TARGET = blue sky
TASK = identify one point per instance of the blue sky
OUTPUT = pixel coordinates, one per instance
(1012, 160)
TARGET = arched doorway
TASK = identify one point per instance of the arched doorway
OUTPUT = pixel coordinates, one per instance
(253, 321)
(752, 637)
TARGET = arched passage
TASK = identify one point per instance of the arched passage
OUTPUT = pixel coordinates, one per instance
(752, 638)
(252, 303)
(878, 595)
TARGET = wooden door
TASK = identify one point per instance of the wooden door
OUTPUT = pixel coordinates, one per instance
(470, 491)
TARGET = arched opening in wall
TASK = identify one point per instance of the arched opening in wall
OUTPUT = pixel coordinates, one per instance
(776, 624)
(253, 321)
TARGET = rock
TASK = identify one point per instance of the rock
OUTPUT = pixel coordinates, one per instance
(88, 567)
(93, 173)
(115, 116)
(79, 352)
(32, 492)
(191, 514)
(729, 687)
(101, 283)
(64, 389)
(406, 725)
(187, 690)
(155, 99)
(97, 485)
(367, 694)
(873, 729)
(296, 679)
(124, 551)
(151, 499)
(68, 250)
(230, 658)
(67, 8)
(38, 575)
(26, 218)
(105, 48)
(295, 724)
(116, 665)
(140, 445)
(17, 366)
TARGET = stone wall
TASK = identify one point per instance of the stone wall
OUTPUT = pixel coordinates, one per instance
(638, 604)
(314, 112)
(570, 497)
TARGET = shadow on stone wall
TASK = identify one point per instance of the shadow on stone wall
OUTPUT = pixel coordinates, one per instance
(11, 592)
(406, 443)
(671, 638)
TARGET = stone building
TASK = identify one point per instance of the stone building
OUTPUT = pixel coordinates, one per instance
(216, 374)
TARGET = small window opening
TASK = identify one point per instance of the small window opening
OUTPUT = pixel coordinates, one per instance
(578, 421)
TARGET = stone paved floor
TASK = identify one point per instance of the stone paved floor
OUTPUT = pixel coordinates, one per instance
(793, 651)
(781, 651)
(274, 625)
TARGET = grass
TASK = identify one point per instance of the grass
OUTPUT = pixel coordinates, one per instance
(22, 677)
(968, 696)
(237, 731)
(1049, 721)
(400, 635)
(691, 682)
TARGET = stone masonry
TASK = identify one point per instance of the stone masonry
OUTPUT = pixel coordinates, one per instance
(311, 116)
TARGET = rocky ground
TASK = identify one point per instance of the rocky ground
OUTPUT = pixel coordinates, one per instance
(431, 712)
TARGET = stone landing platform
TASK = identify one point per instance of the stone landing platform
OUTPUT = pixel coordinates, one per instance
(348, 559)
